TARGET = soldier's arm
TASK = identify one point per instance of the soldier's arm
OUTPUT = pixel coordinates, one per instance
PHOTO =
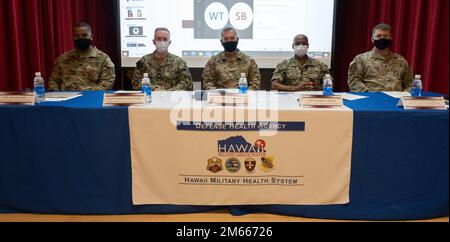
(107, 76)
(184, 77)
(407, 79)
(209, 81)
(138, 75)
(324, 70)
(356, 77)
(278, 78)
(254, 77)
(54, 83)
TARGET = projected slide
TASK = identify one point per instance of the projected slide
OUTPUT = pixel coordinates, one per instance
(266, 28)
(211, 16)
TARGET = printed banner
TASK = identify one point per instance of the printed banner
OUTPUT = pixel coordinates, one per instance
(302, 158)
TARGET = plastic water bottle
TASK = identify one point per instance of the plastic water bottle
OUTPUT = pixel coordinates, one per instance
(146, 88)
(417, 88)
(39, 87)
(327, 85)
(243, 84)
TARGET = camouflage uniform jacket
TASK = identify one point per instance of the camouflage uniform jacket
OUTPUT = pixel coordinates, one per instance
(173, 74)
(223, 72)
(88, 72)
(372, 72)
(292, 73)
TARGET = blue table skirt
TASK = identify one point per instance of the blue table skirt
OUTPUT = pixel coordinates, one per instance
(74, 158)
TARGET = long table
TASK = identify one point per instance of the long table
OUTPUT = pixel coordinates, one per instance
(74, 158)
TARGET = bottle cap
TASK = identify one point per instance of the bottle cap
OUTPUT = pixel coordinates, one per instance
(37, 74)
(418, 77)
(145, 75)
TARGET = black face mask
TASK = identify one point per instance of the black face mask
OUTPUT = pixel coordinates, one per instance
(383, 44)
(83, 44)
(230, 46)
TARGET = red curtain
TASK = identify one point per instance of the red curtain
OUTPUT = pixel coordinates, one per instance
(33, 33)
(420, 35)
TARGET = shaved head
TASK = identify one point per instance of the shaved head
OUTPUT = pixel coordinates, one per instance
(301, 38)
(83, 25)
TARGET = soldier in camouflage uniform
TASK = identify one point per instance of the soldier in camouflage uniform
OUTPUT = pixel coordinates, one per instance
(380, 69)
(166, 71)
(83, 69)
(300, 73)
(224, 70)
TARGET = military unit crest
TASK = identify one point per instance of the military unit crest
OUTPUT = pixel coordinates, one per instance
(234, 165)
(215, 165)
(250, 165)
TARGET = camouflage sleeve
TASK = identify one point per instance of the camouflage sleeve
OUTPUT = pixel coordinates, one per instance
(407, 78)
(254, 77)
(209, 81)
(107, 75)
(280, 73)
(55, 80)
(356, 76)
(138, 75)
(324, 71)
(184, 77)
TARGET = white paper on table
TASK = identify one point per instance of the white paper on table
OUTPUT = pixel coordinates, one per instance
(309, 93)
(127, 92)
(298, 95)
(55, 99)
(61, 96)
(398, 94)
(351, 97)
